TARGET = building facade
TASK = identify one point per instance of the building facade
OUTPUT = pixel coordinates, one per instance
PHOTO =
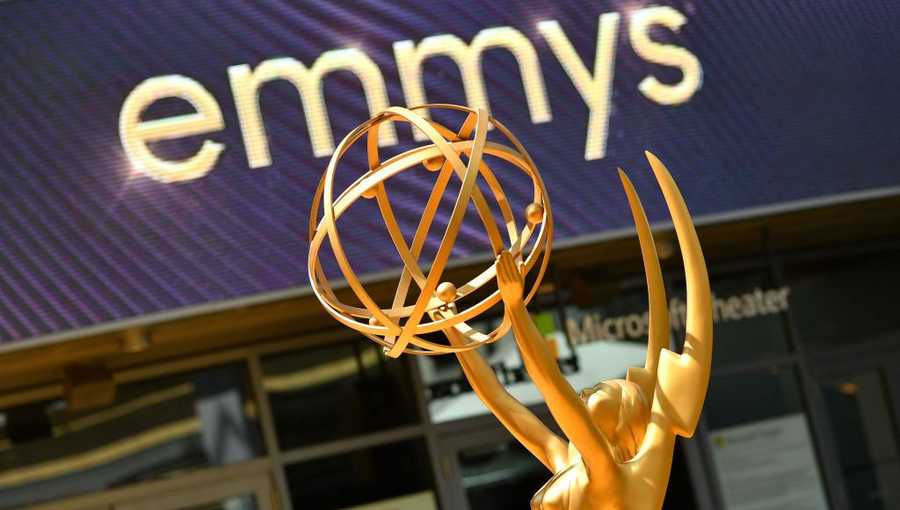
(803, 384)
(160, 347)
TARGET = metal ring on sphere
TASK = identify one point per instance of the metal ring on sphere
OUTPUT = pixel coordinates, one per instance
(397, 327)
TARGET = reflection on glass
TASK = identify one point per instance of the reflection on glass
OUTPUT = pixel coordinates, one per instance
(152, 430)
(748, 316)
(736, 399)
(337, 391)
(360, 477)
(232, 503)
(866, 440)
(846, 301)
(500, 476)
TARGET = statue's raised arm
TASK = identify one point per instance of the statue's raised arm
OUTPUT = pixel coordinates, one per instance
(527, 428)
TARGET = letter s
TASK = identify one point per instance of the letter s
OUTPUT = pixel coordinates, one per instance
(664, 54)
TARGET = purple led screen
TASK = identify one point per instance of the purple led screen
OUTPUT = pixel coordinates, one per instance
(790, 101)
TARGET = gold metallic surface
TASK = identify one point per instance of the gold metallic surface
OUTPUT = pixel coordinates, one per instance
(399, 327)
(619, 435)
(446, 292)
(534, 213)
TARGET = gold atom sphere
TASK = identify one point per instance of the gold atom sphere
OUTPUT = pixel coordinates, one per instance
(399, 328)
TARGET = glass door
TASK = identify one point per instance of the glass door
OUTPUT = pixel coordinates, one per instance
(862, 398)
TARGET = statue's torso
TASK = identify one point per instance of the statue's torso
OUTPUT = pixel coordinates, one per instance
(570, 489)
(631, 486)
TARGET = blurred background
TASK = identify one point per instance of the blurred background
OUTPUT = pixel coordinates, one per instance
(159, 344)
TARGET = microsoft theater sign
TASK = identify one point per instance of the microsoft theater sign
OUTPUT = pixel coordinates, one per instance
(593, 82)
(595, 327)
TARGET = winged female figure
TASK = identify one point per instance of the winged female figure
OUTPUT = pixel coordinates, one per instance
(620, 434)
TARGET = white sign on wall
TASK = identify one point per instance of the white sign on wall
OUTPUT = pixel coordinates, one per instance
(768, 465)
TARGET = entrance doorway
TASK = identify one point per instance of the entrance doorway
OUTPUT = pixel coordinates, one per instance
(861, 394)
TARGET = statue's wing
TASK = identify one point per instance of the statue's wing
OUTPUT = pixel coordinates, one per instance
(681, 379)
(658, 334)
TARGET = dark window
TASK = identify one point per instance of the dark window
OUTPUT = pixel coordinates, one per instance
(735, 399)
(501, 476)
(363, 476)
(334, 392)
(748, 316)
(153, 429)
(846, 301)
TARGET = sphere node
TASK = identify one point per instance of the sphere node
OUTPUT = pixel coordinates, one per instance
(433, 164)
(534, 213)
(466, 155)
(446, 292)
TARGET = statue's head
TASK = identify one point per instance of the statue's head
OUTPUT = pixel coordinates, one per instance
(466, 156)
(622, 411)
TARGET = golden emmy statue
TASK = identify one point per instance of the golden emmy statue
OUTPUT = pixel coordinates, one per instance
(621, 433)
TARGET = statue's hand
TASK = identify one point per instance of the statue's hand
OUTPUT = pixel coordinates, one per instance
(509, 279)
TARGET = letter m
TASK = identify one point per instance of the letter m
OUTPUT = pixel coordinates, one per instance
(245, 85)
(468, 58)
